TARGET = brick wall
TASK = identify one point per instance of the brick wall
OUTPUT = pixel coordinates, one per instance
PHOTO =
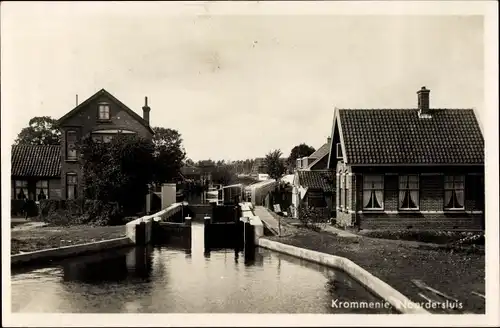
(421, 221)
(86, 121)
(431, 192)
(431, 214)
(345, 216)
(55, 189)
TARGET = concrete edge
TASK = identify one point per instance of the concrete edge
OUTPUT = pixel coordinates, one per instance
(400, 302)
(71, 250)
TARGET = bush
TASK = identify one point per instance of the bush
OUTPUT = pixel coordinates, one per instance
(313, 218)
(103, 213)
(74, 212)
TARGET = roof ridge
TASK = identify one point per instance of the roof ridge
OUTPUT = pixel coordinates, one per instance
(404, 108)
(27, 145)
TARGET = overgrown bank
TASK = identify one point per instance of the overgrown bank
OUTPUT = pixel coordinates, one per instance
(457, 274)
(53, 237)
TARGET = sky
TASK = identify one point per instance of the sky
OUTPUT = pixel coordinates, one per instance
(234, 86)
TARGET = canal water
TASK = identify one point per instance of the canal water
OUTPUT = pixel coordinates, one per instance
(179, 279)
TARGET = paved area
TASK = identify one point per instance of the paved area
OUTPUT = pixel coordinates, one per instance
(271, 221)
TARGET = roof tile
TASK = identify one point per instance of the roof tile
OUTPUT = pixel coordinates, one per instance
(36, 161)
(318, 179)
(400, 136)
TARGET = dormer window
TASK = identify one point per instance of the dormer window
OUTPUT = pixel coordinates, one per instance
(103, 111)
(339, 151)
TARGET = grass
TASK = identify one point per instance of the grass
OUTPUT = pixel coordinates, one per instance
(397, 263)
(436, 237)
(40, 238)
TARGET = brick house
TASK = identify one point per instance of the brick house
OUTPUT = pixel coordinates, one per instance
(56, 168)
(419, 168)
(35, 174)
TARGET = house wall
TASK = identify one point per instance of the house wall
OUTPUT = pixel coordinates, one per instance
(321, 165)
(86, 121)
(431, 213)
(344, 210)
(87, 118)
(54, 185)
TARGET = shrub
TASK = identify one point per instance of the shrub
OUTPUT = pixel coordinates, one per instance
(313, 218)
(74, 212)
(103, 213)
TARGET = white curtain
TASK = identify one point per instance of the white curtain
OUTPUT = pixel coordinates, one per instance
(366, 198)
(460, 198)
(448, 194)
(401, 198)
(379, 195)
(414, 198)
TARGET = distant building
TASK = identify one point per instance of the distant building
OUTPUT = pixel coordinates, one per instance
(258, 166)
(317, 160)
(313, 183)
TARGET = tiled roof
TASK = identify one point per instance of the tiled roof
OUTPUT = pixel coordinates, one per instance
(319, 154)
(36, 161)
(400, 136)
(318, 179)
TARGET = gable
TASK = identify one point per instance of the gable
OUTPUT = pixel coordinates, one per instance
(321, 163)
(400, 136)
(336, 138)
(318, 156)
(86, 114)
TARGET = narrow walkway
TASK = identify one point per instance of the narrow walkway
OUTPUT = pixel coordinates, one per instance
(268, 219)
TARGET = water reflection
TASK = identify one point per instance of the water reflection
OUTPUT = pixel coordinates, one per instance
(176, 279)
(109, 267)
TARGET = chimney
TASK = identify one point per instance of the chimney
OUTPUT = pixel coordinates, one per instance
(146, 109)
(329, 140)
(423, 100)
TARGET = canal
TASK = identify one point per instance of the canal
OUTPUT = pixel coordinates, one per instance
(178, 279)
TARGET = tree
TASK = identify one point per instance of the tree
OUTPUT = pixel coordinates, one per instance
(118, 171)
(169, 154)
(299, 151)
(223, 174)
(274, 164)
(42, 130)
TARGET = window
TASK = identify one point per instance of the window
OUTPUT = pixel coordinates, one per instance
(102, 138)
(339, 151)
(373, 192)
(342, 186)
(71, 145)
(71, 184)
(454, 192)
(42, 189)
(408, 192)
(346, 190)
(103, 111)
(20, 189)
